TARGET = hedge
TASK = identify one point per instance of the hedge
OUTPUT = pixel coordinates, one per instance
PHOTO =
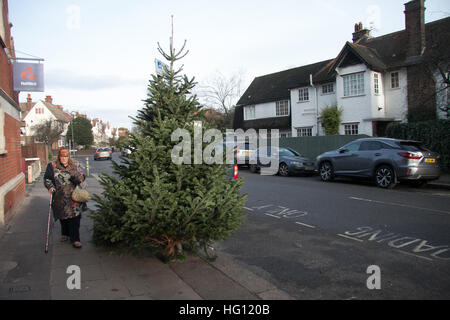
(434, 134)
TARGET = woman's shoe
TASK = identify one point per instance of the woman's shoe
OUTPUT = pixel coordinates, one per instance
(77, 244)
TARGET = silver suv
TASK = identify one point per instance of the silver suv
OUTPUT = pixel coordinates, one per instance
(385, 160)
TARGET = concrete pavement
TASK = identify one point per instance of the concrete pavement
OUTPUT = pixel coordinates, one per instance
(26, 272)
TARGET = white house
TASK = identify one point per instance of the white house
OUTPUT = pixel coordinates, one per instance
(34, 113)
(374, 80)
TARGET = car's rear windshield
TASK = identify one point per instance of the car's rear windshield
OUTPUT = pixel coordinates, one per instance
(411, 146)
(103, 149)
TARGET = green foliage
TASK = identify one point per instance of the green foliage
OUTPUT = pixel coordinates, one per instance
(153, 203)
(434, 134)
(422, 113)
(82, 132)
(331, 119)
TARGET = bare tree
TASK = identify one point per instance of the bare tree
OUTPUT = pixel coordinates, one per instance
(221, 92)
(437, 60)
(48, 131)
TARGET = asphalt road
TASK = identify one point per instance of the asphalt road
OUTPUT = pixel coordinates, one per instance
(316, 240)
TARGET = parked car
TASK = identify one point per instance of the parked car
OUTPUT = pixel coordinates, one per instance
(242, 155)
(385, 160)
(103, 153)
(289, 161)
(126, 151)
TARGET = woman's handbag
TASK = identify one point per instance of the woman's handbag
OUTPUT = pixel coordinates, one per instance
(80, 195)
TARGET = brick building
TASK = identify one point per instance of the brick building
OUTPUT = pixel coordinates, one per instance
(12, 180)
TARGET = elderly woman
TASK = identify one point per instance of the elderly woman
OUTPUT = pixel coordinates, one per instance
(61, 177)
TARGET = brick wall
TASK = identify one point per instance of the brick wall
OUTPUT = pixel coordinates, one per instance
(421, 94)
(36, 150)
(11, 165)
(13, 199)
(6, 79)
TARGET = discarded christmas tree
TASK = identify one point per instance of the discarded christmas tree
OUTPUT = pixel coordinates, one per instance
(152, 202)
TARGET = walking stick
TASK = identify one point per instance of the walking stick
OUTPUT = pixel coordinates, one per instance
(48, 223)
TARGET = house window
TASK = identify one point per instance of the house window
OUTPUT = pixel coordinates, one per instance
(303, 94)
(304, 132)
(376, 84)
(394, 80)
(351, 128)
(282, 108)
(249, 112)
(353, 84)
(286, 134)
(328, 88)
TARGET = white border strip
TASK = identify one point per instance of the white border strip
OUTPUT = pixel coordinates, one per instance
(4, 190)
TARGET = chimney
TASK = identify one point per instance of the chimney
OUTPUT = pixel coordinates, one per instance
(415, 27)
(29, 100)
(360, 32)
(49, 99)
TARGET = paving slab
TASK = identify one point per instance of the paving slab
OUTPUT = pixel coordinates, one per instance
(210, 283)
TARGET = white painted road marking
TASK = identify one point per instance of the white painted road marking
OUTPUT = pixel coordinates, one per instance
(399, 205)
(248, 209)
(271, 215)
(304, 224)
(415, 255)
(344, 236)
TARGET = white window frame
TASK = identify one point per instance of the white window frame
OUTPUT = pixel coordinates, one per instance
(249, 112)
(354, 84)
(351, 128)
(376, 83)
(395, 80)
(326, 88)
(304, 132)
(282, 108)
(303, 94)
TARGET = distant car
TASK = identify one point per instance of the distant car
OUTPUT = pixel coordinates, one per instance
(126, 151)
(243, 153)
(289, 161)
(103, 153)
(385, 160)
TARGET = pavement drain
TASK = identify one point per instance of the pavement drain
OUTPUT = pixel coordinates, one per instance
(19, 289)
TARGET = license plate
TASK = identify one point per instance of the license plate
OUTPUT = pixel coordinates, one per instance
(430, 160)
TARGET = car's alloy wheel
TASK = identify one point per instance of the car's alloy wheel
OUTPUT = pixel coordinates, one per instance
(326, 171)
(385, 177)
(283, 170)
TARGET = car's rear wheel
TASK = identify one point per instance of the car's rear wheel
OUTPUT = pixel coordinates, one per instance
(326, 171)
(385, 177)
(283, 170)
(253, 168)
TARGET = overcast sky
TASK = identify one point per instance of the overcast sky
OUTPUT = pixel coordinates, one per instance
(99, 54)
